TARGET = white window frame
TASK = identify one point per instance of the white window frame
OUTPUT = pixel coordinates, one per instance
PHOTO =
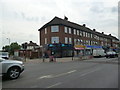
(77, 32)
(75, 41)
(70, 40)
(80, 33)
(65, 30)
(66, 40)
(70, 31)
(83, 34)
(45, 40)
(54, 28)
(55, 39)
(74, 31)
(45, 30)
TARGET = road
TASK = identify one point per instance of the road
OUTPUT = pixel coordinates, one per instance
(96, 73)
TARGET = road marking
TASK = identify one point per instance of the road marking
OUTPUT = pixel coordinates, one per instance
(58, 75)
(62, 74)
(54, 85)
(89, 72)
(47, 76)
(72, 71)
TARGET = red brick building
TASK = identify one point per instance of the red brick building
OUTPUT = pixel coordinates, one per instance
(61, 30)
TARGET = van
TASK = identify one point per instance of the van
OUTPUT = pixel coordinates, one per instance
(98, 52)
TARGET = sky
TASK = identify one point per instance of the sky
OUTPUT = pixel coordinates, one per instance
(21, 19)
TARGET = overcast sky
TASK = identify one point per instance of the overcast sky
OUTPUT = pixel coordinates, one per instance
(21, 19)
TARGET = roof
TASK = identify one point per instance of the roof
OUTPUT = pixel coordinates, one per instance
(32, 44)
(59, 21)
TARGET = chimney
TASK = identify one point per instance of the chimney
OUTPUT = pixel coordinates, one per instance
(31, 42)
(84, 25)
(102, 32)
(94, 30)
(65, 18)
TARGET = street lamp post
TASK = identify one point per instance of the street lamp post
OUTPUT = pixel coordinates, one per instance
(9, 46)
(9, 40)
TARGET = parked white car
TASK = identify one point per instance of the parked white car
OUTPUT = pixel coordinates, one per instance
(111, 54)
(4, 55)
(11, 68)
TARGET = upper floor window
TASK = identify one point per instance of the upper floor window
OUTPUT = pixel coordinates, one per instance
(74, 31)
(88, 34)
(77, 32)
(91, 35)
(54, 39)
(81, 33)
(70, 31)
(65, 29)
(45, 30)
(54, 28)
(84, 34)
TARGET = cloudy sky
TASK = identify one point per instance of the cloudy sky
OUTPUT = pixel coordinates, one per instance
(21, 19)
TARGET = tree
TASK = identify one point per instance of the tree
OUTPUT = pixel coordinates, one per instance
(11, 48)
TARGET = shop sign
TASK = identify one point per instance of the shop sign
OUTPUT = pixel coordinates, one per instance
(79, 47)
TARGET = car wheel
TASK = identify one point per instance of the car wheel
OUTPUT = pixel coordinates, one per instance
(13, 73)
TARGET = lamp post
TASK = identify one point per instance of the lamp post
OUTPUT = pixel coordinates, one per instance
(9, 40)
(9, 46)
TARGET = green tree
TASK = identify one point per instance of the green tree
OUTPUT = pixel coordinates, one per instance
(11, 48)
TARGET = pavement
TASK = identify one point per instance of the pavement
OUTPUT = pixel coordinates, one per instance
(40, 60)
(69, 59)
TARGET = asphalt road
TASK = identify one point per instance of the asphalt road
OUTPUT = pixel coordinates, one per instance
(73, 74)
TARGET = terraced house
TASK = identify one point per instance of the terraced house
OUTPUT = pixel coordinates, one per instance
(63, 31)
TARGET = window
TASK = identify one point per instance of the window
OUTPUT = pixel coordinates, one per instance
(45, 40)
(74, 31)
(84, 34)
(65, 29)
(54, 28)
(88, 42)
(45, 30)
(88, 34)
(54, 39)
(78, 41)
(81, 33)
(66, 40)
(70, 40)
(75, 41)
(77, 32)
(91, 35)
(69, 30)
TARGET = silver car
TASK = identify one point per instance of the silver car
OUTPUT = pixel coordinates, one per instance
(11, 68)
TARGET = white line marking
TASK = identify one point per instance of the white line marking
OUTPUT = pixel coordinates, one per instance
(58, 75)
(64, 73)
(47, 76)
(88, 72)
(54, 85)
(72, 71)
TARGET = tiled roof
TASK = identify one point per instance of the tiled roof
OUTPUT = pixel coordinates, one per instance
(59, 21)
